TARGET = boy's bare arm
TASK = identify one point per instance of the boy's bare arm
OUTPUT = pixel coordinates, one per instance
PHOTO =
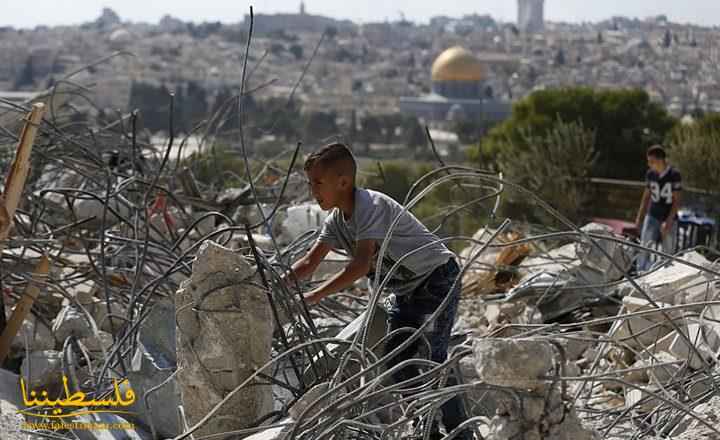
(642, 210)
(306, 265)
(668, 223)
(356, 269)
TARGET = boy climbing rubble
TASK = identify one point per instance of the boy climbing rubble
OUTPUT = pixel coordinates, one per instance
(358, 222)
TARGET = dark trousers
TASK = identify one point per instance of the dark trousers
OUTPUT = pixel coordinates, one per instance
(412, 310)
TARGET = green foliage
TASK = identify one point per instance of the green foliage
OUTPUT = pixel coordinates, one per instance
(556, 166)
(625, 123)
(695, 150)
(219, 167)
(318, 126)
(470, 132)
(153, 103)
(297, 51)
(414, 133)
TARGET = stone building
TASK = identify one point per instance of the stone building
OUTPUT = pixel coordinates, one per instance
(531, 15)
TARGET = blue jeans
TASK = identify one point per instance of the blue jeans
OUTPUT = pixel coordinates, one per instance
(412, 310)
(650, 236)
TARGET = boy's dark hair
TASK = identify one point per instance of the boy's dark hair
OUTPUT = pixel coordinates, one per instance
(657, 151)
(336, 155)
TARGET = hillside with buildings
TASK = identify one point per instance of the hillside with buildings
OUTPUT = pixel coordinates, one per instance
(373, 67)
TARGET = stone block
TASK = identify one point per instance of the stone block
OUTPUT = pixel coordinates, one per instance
(517, 363)
(71, 321)
(224, 334)
(42, 370)
(638, 332)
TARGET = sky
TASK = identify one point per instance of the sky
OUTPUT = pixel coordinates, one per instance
(61, 12)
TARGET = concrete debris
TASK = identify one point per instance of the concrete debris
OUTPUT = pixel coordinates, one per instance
(216, 352)
(158, 396)
(154, 279)
(34, 335)
(72, 322)
(98, 344)
(41, 370)
(537, 408)
(516, 363)
(695, 429)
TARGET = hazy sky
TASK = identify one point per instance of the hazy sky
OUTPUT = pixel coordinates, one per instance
(53, 12)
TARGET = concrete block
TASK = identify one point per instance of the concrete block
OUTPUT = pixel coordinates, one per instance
(638, 332)
(42, 370)
(33, 333)
(71, 321)
(224, 333)
(676, 274)
(652, 371)
(695, 358)
(641, 401)
(662, 345)
(518, 363)
(634, 304)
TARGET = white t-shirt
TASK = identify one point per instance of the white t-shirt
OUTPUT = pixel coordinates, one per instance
(373, 214)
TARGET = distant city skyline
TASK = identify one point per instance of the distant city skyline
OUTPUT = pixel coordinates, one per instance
(70, 12)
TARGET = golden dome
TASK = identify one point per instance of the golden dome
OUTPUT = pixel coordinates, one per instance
(457, 64)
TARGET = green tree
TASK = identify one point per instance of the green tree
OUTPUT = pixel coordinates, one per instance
(153, 103)
(279, 117)
(556, 166)
(470, 132)
(297, 51)
(414, 133)
(695, 150)
(318, 126)
(371, 131)
(625, 123)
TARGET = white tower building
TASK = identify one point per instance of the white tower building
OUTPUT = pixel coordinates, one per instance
(531, 15)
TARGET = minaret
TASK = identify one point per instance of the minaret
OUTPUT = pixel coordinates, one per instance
(531, 15)
(302, 8)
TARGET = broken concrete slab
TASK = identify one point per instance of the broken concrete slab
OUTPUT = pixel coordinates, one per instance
(660, 369)
(675, 274)
(662, 345)
(279, 433)
(692, 429)
(224, 333)
(98, 344)
(42, 369)
(72, 322)
(591, 257)
(637, 332)
(10, 395)
(157, 332)
(91, 207)
(634, 304)
(517, 363)
(696, 358)
(150, 370)
(639, 400)
(33, 335)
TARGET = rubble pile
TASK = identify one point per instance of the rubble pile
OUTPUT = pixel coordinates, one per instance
(128, 283)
